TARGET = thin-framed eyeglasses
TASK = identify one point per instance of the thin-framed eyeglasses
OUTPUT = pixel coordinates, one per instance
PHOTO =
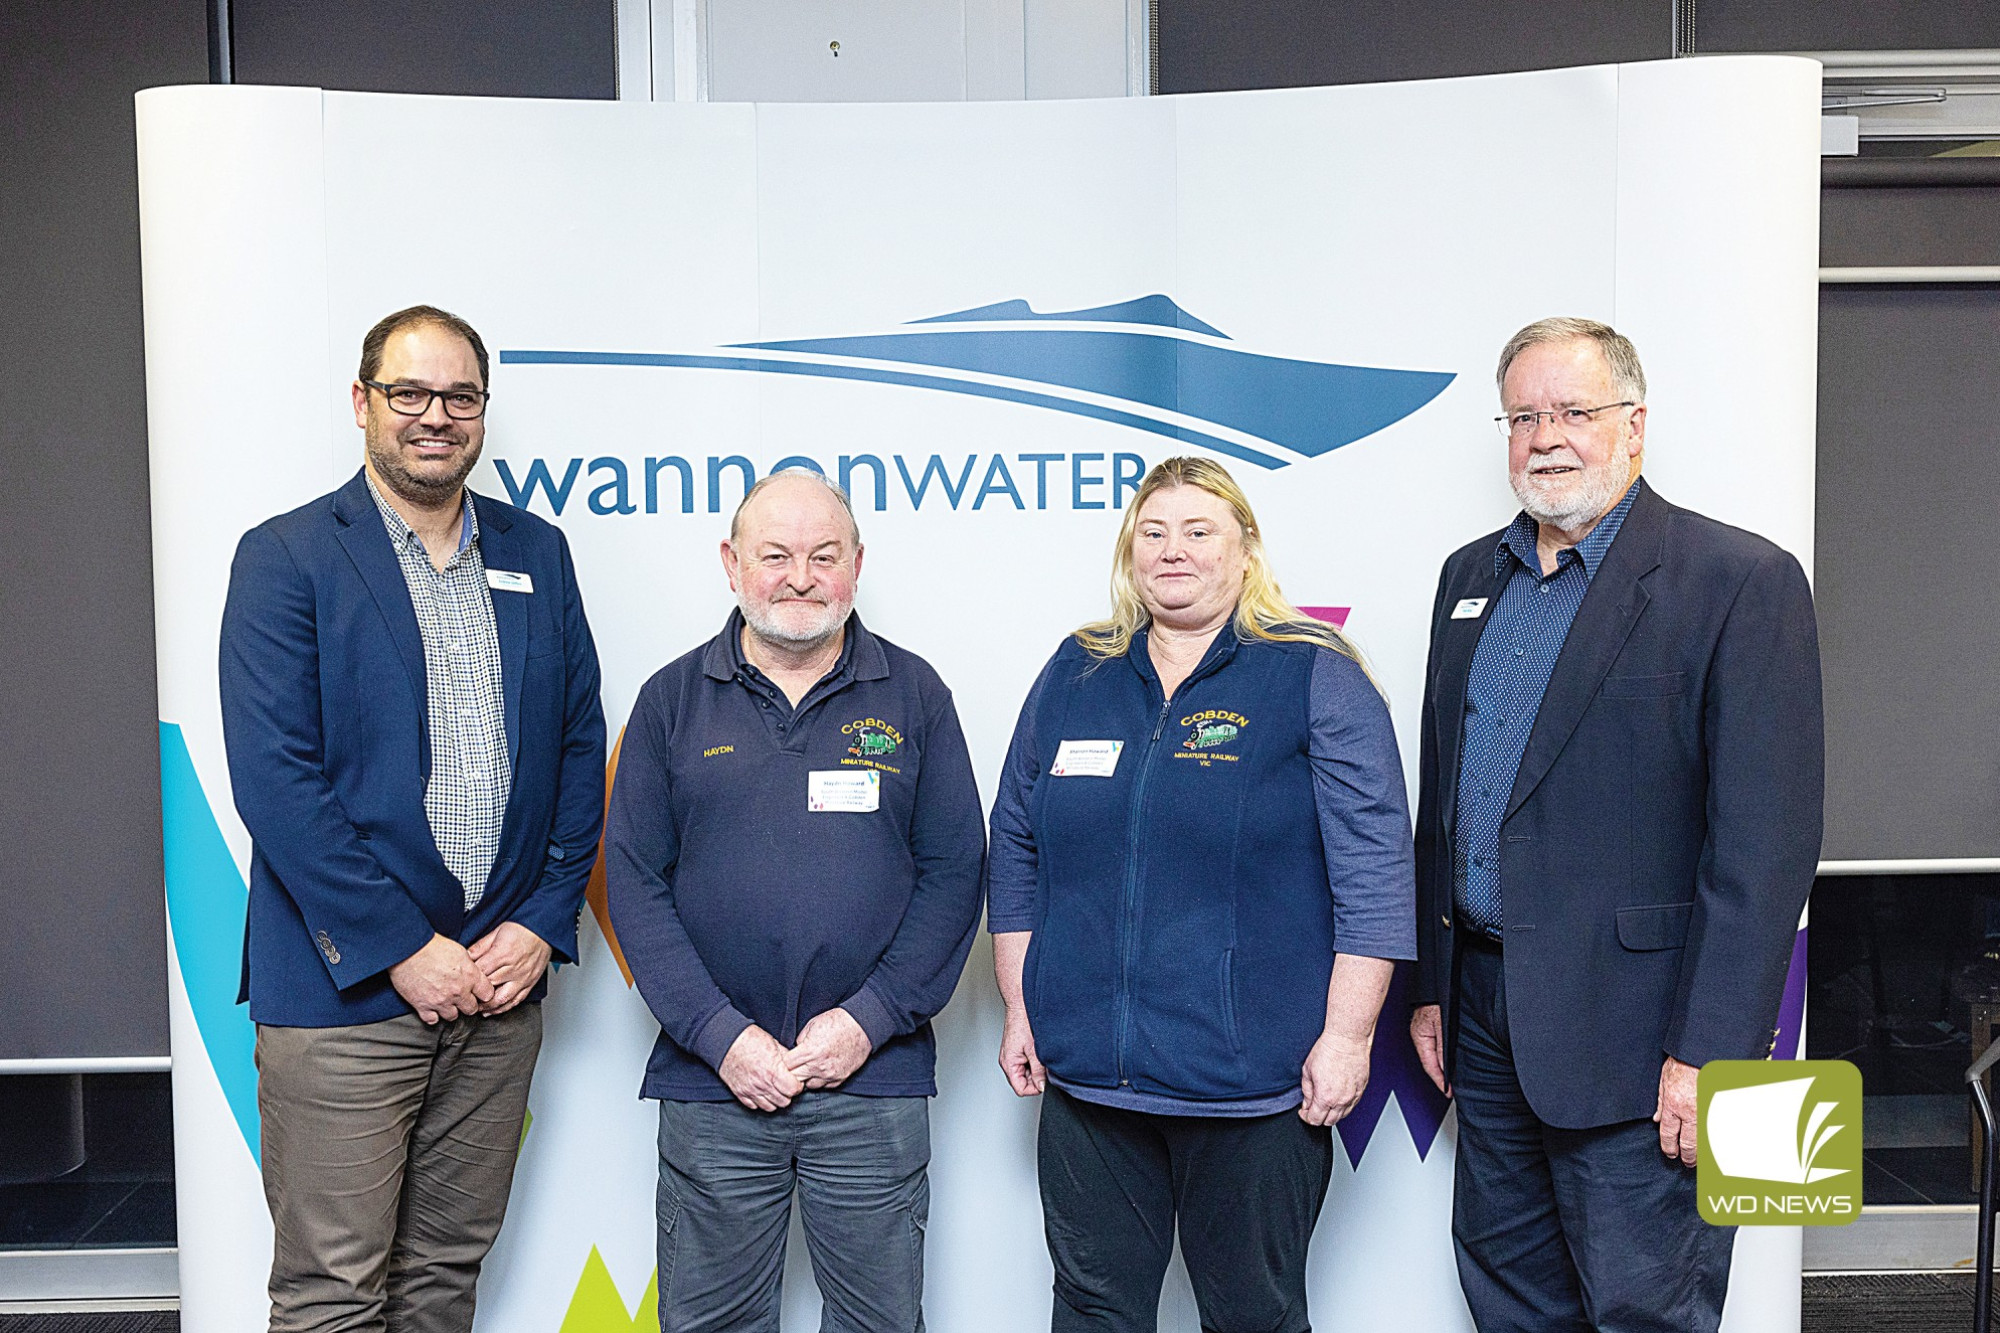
(413, 400)
(1520, 425)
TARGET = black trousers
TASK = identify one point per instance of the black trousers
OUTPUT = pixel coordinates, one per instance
(1246, 1194)
(1567, 1230)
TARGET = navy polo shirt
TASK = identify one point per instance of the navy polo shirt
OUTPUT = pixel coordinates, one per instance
(1517, 654)
(735, 904)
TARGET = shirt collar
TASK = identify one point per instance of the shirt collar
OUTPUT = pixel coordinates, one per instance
(403, 533)
(1519, 538)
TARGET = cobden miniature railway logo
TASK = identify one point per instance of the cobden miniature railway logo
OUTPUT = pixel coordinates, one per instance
(871, 738)
(1780, 1142)
(1208, 734)
(1207, 731)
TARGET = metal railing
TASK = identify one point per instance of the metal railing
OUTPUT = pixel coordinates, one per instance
(1982, 1286)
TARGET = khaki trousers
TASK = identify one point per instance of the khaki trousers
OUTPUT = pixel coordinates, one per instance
(389, 1149)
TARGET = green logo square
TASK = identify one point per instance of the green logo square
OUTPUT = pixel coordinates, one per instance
(1780, 1142)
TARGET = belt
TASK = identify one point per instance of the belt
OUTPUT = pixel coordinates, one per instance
(1477, 939)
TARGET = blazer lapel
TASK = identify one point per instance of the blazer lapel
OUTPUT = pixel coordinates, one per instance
(1457, 641)
(498, 549)
(1616, 599)
(367, 544)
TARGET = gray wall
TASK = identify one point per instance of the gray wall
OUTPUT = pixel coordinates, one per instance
(1908, 564)
(1844, 25)
(470, 48)
(82, 942)
(82, 927)
(1211, 45)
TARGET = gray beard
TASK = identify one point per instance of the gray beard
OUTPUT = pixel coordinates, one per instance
(772, 632)
(1590, 500)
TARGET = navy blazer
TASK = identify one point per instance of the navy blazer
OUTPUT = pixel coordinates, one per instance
(1664, 828)
(324, 697)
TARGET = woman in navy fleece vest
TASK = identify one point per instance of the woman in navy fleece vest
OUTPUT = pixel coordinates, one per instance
(1200, 873)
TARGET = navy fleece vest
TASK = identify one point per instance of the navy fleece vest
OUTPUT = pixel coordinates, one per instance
(1185, 935)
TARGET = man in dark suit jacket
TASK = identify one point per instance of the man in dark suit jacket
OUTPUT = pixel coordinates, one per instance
(410, 707)
(1618, 824)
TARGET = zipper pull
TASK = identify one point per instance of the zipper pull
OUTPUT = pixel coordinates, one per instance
(1166, 707)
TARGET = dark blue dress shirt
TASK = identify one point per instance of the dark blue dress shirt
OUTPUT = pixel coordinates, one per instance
(1517, 654)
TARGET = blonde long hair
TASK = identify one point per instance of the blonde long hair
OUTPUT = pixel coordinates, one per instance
(1261, 610)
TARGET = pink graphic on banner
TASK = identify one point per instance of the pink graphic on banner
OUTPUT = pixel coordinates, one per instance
(1335, 616)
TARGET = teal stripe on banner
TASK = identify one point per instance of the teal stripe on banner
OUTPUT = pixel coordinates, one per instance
(206, 903)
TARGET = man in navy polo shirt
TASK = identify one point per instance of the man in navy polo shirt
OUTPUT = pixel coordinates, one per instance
(794, 850)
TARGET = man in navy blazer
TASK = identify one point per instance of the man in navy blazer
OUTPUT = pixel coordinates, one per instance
(410, 706)
(1618, 824)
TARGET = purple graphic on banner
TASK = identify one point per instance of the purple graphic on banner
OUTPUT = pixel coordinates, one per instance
(1792, 1008)
(1392, 1061)
(1393, 1068)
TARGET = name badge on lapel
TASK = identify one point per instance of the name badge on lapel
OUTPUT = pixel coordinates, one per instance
(506, 580)
(1469, 609)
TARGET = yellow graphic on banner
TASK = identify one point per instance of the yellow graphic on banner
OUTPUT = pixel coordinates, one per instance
(595, 892)
(598, 1308)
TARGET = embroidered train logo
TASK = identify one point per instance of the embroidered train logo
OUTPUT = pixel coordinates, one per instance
(1208, 734)
(1208, 731)
(871, 738)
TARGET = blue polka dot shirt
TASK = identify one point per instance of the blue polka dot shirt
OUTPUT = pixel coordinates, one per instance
(1510, 673)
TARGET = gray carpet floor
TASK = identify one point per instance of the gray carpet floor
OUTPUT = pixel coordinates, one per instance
(1891, 1303)
(1887, 1303)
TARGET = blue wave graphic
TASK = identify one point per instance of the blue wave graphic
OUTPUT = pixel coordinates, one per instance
(1155, 309)
(877, 375)
(1301, 408)
(206, 903)
(1308, 407)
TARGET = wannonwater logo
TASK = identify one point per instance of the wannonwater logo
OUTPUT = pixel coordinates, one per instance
(1780, 1142)
(1145, 364)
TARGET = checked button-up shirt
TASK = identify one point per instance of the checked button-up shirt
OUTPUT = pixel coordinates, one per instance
(1510, 673)
(466, 797)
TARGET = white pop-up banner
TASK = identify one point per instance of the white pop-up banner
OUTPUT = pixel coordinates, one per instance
(988, 320)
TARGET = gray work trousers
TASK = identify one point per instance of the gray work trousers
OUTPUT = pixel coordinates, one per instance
(389, 1149)
(860, 1166)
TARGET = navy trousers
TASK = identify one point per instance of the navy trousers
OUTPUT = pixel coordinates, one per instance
(1561, 1230)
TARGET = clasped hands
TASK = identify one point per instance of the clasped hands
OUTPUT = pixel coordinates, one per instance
(445, 979)
(765, 1076)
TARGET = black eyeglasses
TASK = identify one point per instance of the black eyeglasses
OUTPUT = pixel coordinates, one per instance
(1520, 425)
(413, 400)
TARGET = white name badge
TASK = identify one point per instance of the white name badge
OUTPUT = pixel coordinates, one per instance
(844, 791)
(1086, 759)
(506, 580)
(1469, 609)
